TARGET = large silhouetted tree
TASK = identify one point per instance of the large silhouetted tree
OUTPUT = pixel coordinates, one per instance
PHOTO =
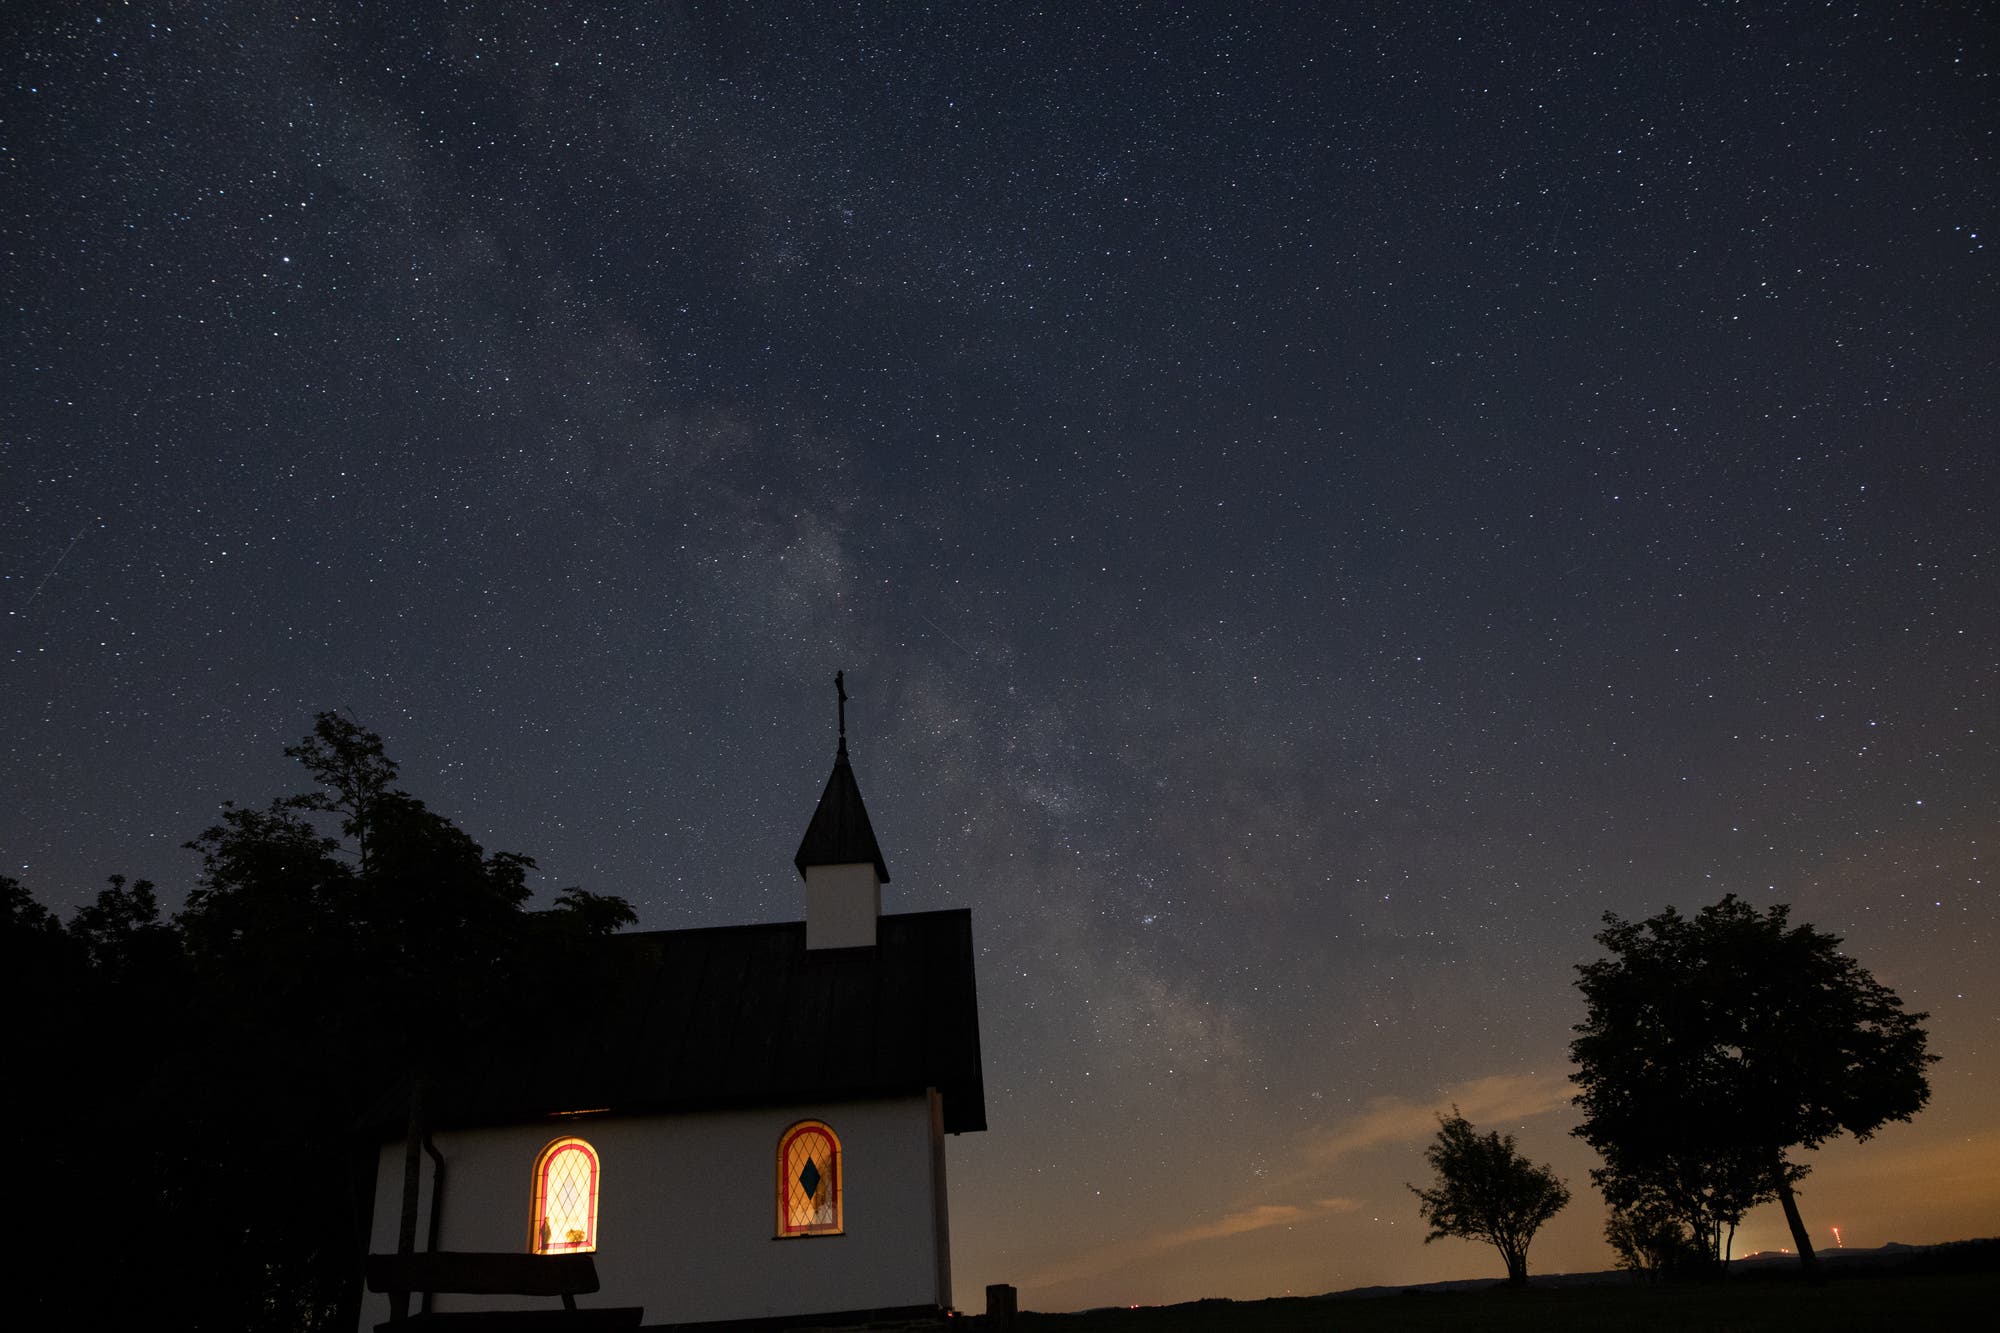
(1486, 1190)
(97, 1016)
(1715, 1045)
(213, 1070)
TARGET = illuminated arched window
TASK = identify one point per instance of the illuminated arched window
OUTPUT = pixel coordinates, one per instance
(565, 1216)
(809, 1193)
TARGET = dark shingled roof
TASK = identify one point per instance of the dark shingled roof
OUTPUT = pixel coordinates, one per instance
(840, 833)
(743, 1016)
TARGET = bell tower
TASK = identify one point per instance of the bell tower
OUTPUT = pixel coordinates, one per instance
(839, 858)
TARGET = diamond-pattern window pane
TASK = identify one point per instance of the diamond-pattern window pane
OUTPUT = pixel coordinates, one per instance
(569, 1200)
(809, 1181)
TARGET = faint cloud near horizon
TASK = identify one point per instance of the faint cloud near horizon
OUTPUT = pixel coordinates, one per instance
(1496, 1097)
(1399, 1120)
(1120, 1254)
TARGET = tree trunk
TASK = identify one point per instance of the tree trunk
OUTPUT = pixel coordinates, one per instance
(1800, 1237)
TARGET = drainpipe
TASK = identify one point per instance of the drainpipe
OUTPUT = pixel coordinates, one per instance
(437, 1203)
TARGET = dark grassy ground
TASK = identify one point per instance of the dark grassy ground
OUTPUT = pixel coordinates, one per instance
(1887, 1302)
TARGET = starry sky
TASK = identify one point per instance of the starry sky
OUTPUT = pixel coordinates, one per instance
(1316, 504)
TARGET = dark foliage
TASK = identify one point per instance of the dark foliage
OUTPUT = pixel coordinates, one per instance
(1707, 1188)
(1652, 1241)
(1715, 1045)
(1486, 1190)
(199, 1082)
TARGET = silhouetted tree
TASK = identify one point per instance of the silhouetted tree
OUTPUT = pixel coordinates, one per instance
(212, 1071)
(98, 1012)
(352, 964)
(1486, 1190)
(1712, 1046)
(1708, 1191)
(37, 959)
(1651, 1240)
(42, 972)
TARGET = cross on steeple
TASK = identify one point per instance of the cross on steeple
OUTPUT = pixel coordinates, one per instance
(840, 688)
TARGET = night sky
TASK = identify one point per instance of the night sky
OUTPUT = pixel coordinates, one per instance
(1316, 506)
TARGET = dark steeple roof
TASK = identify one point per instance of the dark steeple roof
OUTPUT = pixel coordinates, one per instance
(840, 833)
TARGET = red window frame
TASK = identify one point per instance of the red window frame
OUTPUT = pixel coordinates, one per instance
(823, 1213)
(538, 1241)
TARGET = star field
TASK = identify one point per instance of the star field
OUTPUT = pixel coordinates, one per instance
(1315, 508)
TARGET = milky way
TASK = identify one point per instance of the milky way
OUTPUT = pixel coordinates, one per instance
(1315, 510)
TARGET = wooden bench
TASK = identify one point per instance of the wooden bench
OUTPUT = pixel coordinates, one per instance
(470, 1274)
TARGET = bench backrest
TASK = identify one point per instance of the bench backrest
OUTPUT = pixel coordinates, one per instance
(484, 1274)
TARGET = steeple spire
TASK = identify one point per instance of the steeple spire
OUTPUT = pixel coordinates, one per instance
(839, 858)
(840, 833)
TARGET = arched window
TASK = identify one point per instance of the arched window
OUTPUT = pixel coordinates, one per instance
(809, 1192)
(565, 1216)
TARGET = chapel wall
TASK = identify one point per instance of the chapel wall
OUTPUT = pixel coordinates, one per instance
(687, 1211)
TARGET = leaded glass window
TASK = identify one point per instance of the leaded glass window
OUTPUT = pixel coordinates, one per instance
(565, 1216)
(809, 1187)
